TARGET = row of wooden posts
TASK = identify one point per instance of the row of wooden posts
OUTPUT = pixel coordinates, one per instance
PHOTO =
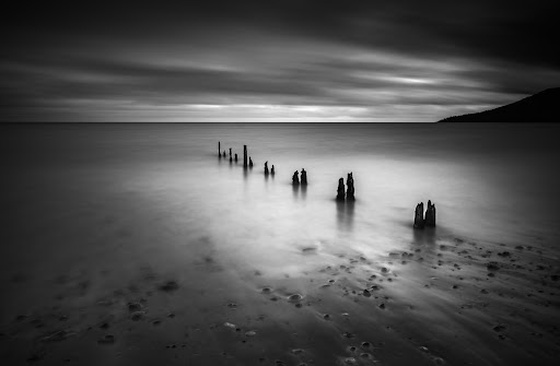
(421, 219)
(246, 163)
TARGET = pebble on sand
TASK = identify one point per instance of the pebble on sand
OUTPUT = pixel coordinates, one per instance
(106, 339)
(169, 286)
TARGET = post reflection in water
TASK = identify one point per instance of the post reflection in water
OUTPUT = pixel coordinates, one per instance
(345, 215)
(295, 191)
(425, 236)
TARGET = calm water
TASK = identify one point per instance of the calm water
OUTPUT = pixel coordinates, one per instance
(102, 201)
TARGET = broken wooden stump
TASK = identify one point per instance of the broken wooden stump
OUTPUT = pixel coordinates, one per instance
(266, 168)
(350, 190)
(250, 163)
(340, 190)
(236, 158)
(295, 178)
(430, 218)
(272, 172)
(303, 177)
(419, 216)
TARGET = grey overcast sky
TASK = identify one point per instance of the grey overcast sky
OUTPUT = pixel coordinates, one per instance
(288, 60)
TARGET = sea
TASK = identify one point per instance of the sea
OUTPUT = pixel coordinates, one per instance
(102, 206)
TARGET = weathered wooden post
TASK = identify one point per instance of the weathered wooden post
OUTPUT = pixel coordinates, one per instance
(303, 177)
(350, 190)
(266, 168)
(250, 163)
(245, 156)
(236, 158)
(224, 154)
(430, 220)
(272, 172)
(219, 150)
(340, 190)
(419, 216)
(295, 178)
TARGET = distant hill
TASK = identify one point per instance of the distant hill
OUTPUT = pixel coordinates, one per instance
(541, 107)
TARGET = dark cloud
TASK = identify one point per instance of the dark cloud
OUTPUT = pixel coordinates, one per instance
(437, 56)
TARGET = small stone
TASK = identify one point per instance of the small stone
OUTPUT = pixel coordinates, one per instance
(134, 306)
(137, 315)
(106, 339)
(169, 286)
(295, 298)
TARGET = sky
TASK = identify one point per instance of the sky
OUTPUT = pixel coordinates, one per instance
(269, 60)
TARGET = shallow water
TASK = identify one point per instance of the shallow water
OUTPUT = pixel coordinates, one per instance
(109, 213)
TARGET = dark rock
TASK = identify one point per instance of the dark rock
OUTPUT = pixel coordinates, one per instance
(419, 216)
(106, 339)
(350, 189)
(134, 306)
(57, 336)
(137, 315)
(37, 356)
(430, 220)
(492, 266)
(169, 286)
(340, 191)
(295, 178)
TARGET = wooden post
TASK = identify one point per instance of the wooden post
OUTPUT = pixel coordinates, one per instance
(295, 178)
(219, 150)
(430, 215)
(244, 156)
(303, 177)
(340, 190)
(419, 216)
(350, 190)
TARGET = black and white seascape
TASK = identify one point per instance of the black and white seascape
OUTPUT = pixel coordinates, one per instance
(137, 244)
(205, 183)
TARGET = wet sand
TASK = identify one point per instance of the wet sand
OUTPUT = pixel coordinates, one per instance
(445, 300)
